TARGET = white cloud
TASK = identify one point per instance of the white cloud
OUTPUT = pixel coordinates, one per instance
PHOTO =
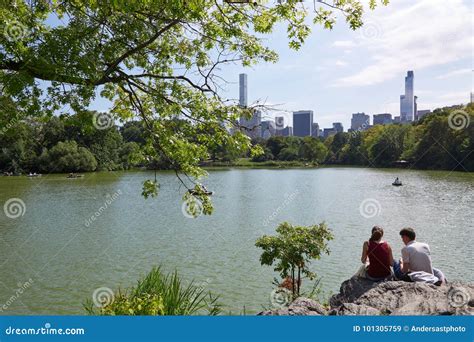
(406, 36)
(454, 73)
(344, 43)
(340, 63)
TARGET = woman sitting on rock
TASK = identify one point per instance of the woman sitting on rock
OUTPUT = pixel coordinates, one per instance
(379, 255)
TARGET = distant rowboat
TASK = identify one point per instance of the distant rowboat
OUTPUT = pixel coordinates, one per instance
(72, 176)
(32, 175)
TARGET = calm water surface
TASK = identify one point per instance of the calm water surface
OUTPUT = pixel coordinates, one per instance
(67, 257)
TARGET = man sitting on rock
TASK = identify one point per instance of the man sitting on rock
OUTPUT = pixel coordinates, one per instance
(415, 264)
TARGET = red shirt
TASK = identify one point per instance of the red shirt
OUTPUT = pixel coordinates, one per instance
(379, 259)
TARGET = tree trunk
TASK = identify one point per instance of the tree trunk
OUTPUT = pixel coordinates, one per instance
(299, 280)
(293, 281)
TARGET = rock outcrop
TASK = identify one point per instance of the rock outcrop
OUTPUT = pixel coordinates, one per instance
(359, 296)
(300, 307)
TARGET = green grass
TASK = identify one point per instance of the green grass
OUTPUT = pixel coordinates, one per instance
(159, 294)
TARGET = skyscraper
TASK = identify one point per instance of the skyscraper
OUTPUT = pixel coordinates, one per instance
(382, 119)
(315, 130)
(327, 132)
(360, 122)
(302, 123)
(408, 101)
(243, 90)
(268, 129)
(422, 113)
(338, 127)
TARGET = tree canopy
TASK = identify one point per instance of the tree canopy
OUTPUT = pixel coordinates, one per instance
(157, 60)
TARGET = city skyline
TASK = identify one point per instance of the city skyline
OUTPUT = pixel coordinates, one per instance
(340, 72)
(303, 121)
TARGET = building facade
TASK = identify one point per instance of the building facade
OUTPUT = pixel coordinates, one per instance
(302, 123)
(252, 127)
(408, 100)
(338, 127)
(327, 132)
(268, 129)
(243, 90)
(287, 131)
(315, 130)
(382, 119)
(422, 113)
(360, 122)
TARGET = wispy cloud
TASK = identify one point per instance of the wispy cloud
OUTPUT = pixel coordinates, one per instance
(344, 43)
(454, 73)
(412, 36)
(340, 63)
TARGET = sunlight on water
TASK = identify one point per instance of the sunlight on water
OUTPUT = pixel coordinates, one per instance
(67, 254)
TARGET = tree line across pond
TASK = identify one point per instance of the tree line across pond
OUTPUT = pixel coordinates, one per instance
(71, 143)
(443, 140)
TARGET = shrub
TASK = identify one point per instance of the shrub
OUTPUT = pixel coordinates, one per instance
(159, 294)
(292, 250)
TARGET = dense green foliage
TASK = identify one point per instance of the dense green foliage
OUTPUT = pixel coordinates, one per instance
(292, 249)
(432, 143)
(435, 142)
(307, 149)
(153, 60)
(70, 144)
(159, 294)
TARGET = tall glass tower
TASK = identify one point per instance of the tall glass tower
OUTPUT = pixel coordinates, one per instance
(407, 101)
(243, 90)
(302, 123)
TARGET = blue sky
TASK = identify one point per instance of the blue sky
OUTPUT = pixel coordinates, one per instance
(340, 72)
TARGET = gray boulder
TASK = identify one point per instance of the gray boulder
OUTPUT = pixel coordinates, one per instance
(359, 296)
(351, 309)
(299, 307)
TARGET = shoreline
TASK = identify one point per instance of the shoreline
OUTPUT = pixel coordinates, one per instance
(253, 166)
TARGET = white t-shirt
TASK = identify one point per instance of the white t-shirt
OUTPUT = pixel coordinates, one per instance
(418, 255)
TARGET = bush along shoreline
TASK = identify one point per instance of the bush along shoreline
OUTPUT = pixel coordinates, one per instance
(442, 140)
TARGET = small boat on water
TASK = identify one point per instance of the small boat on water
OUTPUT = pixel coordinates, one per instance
(73, 176)
(397, 182)
(33, 175)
